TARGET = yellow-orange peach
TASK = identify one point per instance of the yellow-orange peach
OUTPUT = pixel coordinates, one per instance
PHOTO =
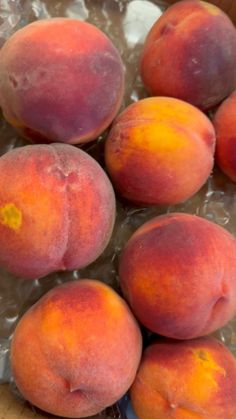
(77, 350)
(57, 209)
(61, 80)
(194, 379)
(190, 54)
(160, 151)
(225, 126)
(178, 272)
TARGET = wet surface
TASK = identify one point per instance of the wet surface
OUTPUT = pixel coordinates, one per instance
(126, 23)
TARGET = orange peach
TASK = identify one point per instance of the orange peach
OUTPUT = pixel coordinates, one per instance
(77, 350)
(225, 126)
(160, 151)
(178, 272)
(57, 209)
(61, 80)
(194, 379)
(190, 54)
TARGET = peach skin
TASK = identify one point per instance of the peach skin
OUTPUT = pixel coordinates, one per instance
(225, 126)
(57, 209)
(195, 379)
(178, 272)
(77, 350)
(160, 151)
(190, 54)
(61, 80)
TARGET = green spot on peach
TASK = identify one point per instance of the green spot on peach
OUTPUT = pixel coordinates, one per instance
(211, 8)
(11, 216)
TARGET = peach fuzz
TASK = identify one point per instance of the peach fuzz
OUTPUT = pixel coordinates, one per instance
(77, 350)
(225, 126)
(195, 379)
(57, 209)
(61, 80)
(160, 151)
(178, 272)
(190, 54)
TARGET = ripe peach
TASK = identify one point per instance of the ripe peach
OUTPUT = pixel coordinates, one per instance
(77, 350)
(160, 151)
(60, 80)
(190, 54)
(57, 209)
(194, 379)
(178, 272)
(225, 126)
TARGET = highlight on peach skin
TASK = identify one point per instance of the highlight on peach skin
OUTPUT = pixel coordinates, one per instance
(160, 151)
(178, 272)
(64, 88)
(190, 54)
(57, 209)
(195, 379)
(77, 350)
(225, 126)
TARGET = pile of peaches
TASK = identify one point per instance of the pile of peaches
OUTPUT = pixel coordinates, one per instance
(79, 348)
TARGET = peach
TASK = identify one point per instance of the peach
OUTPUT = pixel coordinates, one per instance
(178, 272)
(195, 379)
(61, 80)
(225, 126)
(77, 350)
(160, 151)
(57, 209)
(190, 54)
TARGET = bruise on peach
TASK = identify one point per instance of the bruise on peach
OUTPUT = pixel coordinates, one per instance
(230, 155)
(178, 274)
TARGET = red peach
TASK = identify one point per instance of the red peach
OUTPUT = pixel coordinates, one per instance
(60, 80)
(178, 272)
(160, 151)
(225, 126)
(57, 209)
(77, 350)
(190, 54)
(194, 379)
